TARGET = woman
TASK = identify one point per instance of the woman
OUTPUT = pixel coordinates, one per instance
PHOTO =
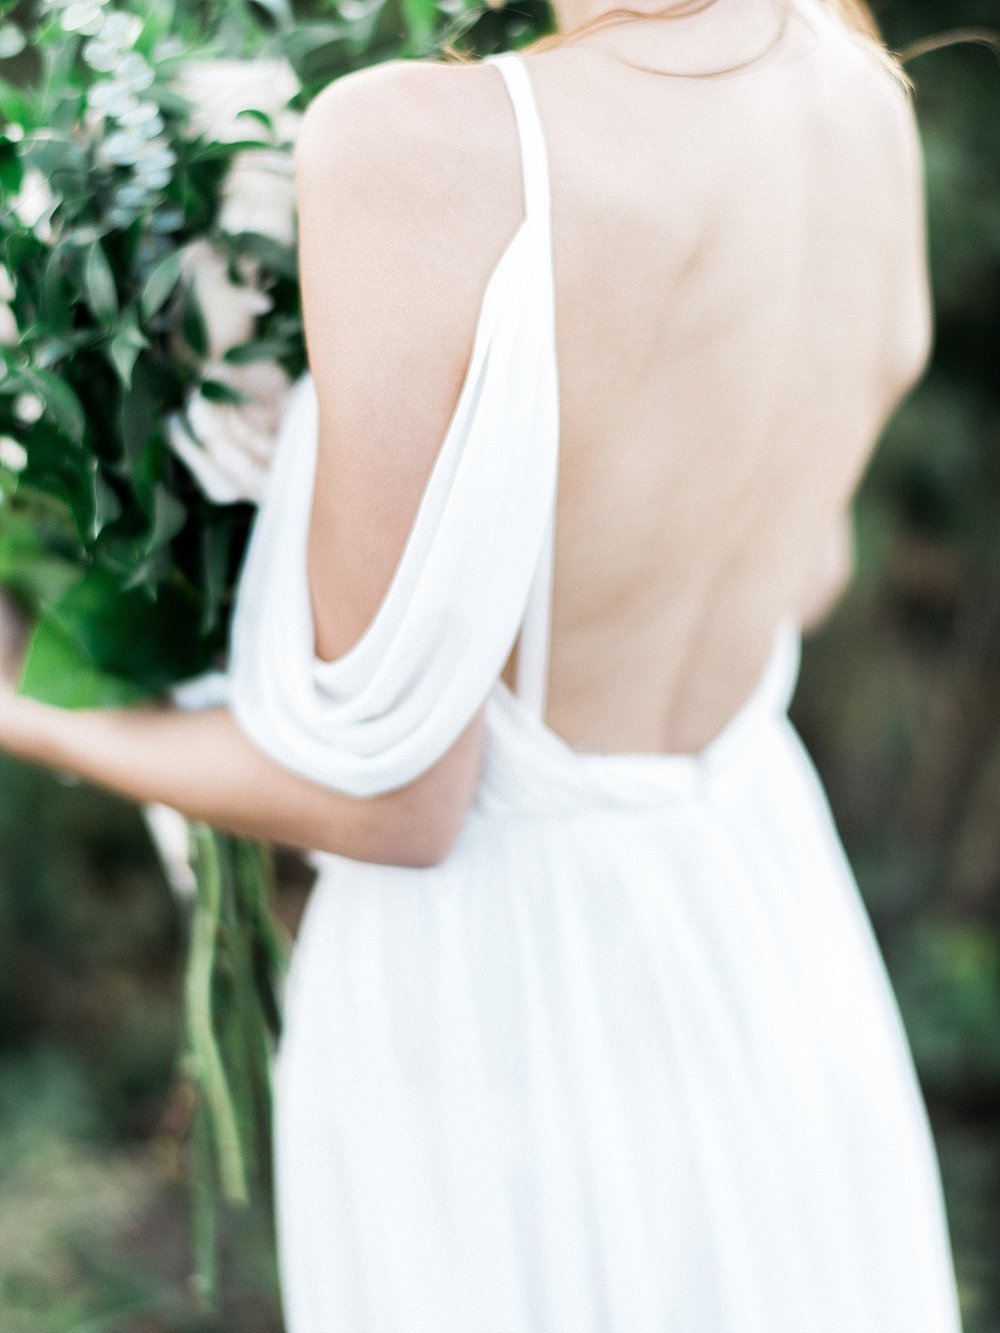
(586, 1027)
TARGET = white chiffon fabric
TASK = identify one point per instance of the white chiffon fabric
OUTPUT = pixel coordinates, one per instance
(628, 1060)
(386, 710)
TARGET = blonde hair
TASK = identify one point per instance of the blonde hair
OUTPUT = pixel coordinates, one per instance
(856, 16)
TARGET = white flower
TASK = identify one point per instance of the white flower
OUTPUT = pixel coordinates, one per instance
(101, 56)
(229, 310)
(222, 90)
(143, 116)
(259, 195)
(8, 324)
(13, 455)
(121, 148)
(156, 155)
(227, 446)
(132, 196)
(121, 30)
(149, 180)
(135, 72)
(28, 407)
(84, 17)
(108, 97)
(34, 204)
(166, 220)
(12, 40)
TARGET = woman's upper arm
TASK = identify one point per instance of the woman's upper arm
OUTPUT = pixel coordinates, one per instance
(372, 172)
(363, 230)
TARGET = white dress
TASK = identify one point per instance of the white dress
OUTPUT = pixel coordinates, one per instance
(628, 1060)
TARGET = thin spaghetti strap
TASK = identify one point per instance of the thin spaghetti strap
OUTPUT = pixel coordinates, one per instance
(534, 159)
(533, 646)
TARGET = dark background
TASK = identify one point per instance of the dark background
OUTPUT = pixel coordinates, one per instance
(898, 701)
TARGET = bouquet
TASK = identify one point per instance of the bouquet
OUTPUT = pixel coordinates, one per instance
(150, 333)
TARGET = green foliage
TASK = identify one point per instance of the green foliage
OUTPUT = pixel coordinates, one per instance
(108, 185)
(57, 672)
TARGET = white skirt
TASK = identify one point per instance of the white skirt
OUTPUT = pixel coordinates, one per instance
(627, 1062)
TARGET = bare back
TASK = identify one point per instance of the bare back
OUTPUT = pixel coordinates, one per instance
(742, 301)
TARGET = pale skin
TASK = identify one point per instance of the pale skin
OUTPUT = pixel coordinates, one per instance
(726, 369)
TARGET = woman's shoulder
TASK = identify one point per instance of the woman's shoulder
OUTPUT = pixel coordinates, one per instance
(388, 111)
(422, 154)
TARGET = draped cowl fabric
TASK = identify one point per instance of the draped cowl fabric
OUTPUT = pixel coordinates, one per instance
(477, 563)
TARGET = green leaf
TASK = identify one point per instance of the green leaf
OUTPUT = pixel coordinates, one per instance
(141, 408)
(99, 284)
(56, 672)
(60, 401)
(53, 350)
(15, 105)
(217, 392)
(305, 39)
(216, 550)
(21, 249)
(193, 327)
(263, 349)
(271, 254)
(61, 158)
(160, 283)
(280, 11)
(123, 353)
(28, 567)
(55, 312)
(11, 169)
(169, 517)
(105, 502)
(420, 17)
(170, 101)
(213, 151)
(261, 116)
(125, 347)
(149, 635)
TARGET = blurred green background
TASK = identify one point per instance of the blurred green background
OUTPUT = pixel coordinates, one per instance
(898, 701)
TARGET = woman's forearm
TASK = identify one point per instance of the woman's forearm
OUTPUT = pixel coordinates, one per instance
(202, 764)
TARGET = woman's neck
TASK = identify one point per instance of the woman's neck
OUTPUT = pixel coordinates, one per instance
(699, 20)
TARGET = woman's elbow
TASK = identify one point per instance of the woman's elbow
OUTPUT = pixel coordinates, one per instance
(420, 848)
(423, 842)
(404, 828)
(417, 825)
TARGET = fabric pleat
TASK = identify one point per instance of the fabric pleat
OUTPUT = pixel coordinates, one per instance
(632, 1066)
